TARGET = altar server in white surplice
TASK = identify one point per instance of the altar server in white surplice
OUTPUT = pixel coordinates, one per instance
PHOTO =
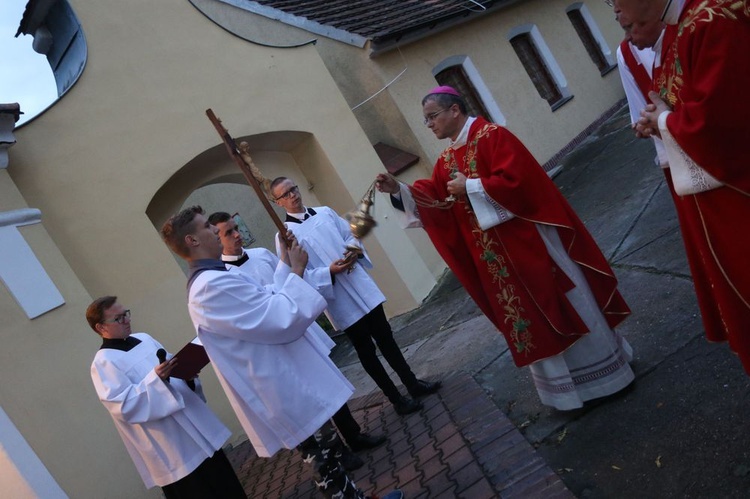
(355, 303)
(266, 268)
(281, 383)
(170, 433)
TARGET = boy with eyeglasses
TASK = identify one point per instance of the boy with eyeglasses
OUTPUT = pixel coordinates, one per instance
(172, 436)
(354, 301)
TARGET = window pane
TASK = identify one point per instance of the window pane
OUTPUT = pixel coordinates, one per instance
(455, 77)
(584, 33)
(535, 67)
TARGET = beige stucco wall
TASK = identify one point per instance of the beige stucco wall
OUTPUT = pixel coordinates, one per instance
(394, 116)
(94, 163)
(46, 390)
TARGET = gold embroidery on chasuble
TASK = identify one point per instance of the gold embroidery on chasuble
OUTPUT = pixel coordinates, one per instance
(670, 81)
(520, 336)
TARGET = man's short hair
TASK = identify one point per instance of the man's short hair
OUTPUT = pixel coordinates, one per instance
(95, 311)
(447, 100)
(276, 182)
(178, 226)
(219, 217)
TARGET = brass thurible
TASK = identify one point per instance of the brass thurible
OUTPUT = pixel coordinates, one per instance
(360, 220)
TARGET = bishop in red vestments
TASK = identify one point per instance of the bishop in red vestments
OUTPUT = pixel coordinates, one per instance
(702, 103)
(521, 252)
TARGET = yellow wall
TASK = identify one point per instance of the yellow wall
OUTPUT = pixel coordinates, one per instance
(93, 164)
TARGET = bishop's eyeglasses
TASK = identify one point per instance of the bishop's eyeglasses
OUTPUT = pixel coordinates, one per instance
(432, 116)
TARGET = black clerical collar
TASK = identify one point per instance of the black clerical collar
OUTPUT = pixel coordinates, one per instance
(309, 212)
(195, 267)
(123, 344)
(238, 262)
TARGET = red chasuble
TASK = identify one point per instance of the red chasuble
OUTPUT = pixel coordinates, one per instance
(705, 80)
(507, 269)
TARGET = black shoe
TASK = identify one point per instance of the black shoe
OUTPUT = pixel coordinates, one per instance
(350, 461)
(424, 388)
(364, 441)
(405, 405)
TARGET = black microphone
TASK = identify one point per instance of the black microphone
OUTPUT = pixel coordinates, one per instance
(161, 354)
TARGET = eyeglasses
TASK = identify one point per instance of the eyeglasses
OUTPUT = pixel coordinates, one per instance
(125, 316)
(289, 193)
(432, 116)
(609, 2)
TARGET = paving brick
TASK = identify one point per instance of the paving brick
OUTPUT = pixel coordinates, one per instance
(407, 471)
(459, 445)
(439, 484)
(412, 488)
(480, 490)
(451, 445)
(440, 421)
(426, 453)
(420, 440)
(467, 476)
(459, 459)
(445, 431)
(432, 468)
(449, 493)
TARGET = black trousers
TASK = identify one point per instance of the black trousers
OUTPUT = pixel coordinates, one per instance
(323, 450)
(374, 329)
(346, 424)
(213, 478)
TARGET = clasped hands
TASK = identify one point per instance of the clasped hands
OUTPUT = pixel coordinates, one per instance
(648, 123)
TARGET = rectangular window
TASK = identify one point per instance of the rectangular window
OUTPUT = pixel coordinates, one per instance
(589, 42)
(535, 67)
(455, 77)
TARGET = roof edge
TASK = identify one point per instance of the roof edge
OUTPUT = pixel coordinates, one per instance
(299, 22)
(384, 44)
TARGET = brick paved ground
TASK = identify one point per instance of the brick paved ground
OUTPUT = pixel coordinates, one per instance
(459, 446)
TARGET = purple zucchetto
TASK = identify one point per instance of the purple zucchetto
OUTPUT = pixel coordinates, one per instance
(444, 89)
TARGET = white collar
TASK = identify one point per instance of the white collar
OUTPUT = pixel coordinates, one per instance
(463, 135)
(672, 10)
(232, 258)
(299, 216)
(657, 50)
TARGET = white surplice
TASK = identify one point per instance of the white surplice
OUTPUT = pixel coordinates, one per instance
(280, 382)
(636, 100)
(325, 237)
(268, 270)
(167, 429)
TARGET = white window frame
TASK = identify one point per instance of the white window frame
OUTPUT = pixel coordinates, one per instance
(496, 115)
(547, 58)
(595, 32)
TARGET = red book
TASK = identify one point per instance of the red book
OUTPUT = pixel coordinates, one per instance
(190, 360)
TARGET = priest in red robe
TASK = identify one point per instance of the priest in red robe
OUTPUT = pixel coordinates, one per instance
(521, 252)
(700, 110)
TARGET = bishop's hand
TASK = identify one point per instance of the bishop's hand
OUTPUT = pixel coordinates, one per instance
(457, 186)
(385, 182)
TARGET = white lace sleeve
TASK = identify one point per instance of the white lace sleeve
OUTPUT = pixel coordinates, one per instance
(488, 211)
(687, 175)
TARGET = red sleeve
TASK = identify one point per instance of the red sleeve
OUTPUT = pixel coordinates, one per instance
(710, 120)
